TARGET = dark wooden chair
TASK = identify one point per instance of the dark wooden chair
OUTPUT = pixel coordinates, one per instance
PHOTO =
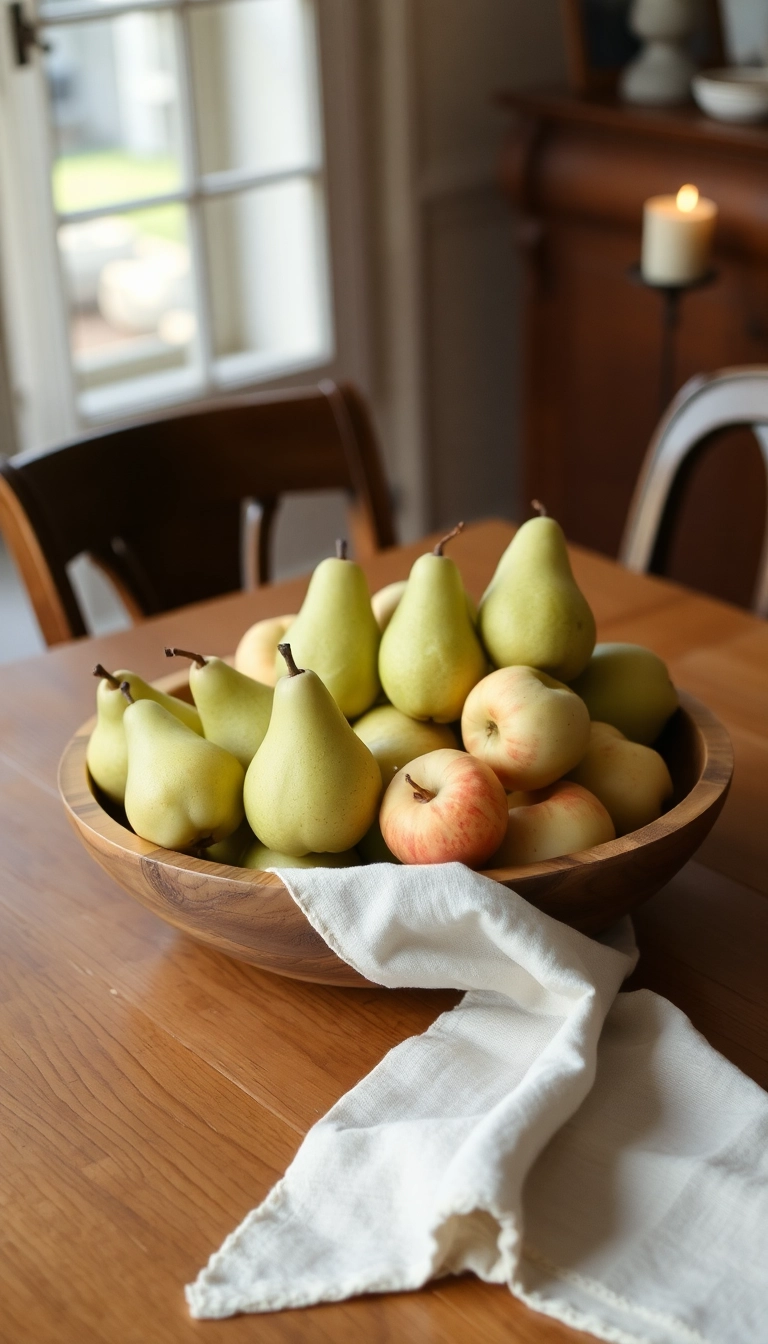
(707, 405)
(180, 508)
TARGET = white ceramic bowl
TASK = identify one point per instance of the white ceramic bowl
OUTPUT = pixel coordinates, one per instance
(736, 94)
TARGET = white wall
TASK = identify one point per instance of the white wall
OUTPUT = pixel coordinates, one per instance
(447, 274)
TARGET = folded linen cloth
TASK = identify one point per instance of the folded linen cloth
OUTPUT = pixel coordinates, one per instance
(592, 1153)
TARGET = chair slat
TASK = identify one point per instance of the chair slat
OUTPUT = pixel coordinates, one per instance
(158, 504)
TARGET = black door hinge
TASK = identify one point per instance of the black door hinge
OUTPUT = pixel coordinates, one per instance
(24, 35)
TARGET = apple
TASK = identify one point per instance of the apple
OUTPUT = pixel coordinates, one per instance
(255, 654)
(394, 739)
(444, 807)
(631, 781)
(385, 601)
(528, 727)
(561, 819)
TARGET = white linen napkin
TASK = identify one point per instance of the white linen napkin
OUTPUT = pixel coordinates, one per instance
(592, 1153)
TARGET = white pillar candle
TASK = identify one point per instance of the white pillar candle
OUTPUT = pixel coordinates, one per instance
(677, 237)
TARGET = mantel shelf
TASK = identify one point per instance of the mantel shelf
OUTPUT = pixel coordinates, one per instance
(683, 124)
(578, 169)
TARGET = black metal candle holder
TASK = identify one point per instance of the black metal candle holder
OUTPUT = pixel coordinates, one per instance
(670, 321)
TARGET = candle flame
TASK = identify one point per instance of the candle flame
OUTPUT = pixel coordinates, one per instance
(687, 198)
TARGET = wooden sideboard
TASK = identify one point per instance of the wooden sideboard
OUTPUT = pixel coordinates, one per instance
(578, 170)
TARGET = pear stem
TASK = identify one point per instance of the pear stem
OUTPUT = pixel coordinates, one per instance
(539, 508)
(341, 548)
(125, 688)
(100, 671)
(185, 653)
(421, 795)
(293, 670)
(439, 547)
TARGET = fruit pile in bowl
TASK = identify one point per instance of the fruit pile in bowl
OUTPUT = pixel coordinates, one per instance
(404, 728)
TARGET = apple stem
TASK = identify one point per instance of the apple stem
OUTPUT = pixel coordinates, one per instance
(197, 658)
(125, 688)
(341, 548)
(100, 671)
(439, 547)
(539, 508)
(420, 794)
(293, 670)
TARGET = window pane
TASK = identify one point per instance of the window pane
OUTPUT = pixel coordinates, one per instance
(253, 64)
(131, 299)
(266, 262)
(114, 105)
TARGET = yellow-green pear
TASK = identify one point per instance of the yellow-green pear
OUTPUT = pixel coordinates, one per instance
(395, 739)
(181, 790)
(631, 781)
(532, 611)
(386, 600)
(256, 653)
(335, 634)
(430, 655)
(258, 856)
(373, 848)
(312, 786)
(628, 686)
(232, 849)
(107, 753)
(234, 709)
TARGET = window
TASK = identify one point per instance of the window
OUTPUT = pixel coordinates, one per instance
(176, 163)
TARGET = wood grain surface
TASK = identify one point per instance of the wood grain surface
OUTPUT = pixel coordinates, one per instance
(154, 1089)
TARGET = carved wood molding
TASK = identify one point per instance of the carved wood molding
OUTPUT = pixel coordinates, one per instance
(600, 161)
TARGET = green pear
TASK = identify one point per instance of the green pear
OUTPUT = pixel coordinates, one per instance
(395, 739)
(628, 686)
(107, 753)
(258, 856)
(232, 848)
(336, 635)
(386, 601)
(631, 781)
(312, 786)
(180, 789)
(532, 613)
(373, 848)
(234, 709)
(430, 655)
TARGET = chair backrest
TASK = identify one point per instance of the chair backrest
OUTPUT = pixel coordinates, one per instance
(179, 509)
(707, 405)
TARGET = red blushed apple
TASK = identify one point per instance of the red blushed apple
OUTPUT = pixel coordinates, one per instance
(444, 807)
(528, 727)
(561, 819)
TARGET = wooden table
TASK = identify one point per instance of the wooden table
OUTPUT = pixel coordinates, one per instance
(152, 1091)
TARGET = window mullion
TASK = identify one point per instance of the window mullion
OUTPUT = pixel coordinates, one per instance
(191, 153)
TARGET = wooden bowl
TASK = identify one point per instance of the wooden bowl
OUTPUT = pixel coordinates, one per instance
(252, 916)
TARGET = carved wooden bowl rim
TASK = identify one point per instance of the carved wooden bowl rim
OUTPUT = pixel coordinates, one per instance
(709, 788)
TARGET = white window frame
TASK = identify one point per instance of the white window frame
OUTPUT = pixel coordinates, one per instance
(31, 286)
